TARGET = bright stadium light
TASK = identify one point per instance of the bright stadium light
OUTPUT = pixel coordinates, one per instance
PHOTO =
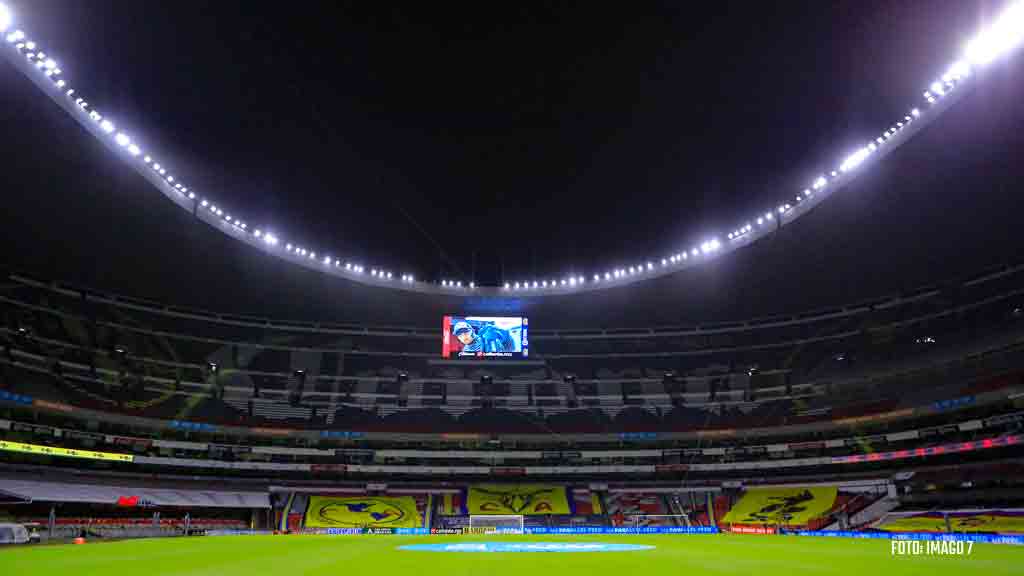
(1002, 37)
(107, 126)
(122, 139)
(855, 159)
(5, 18)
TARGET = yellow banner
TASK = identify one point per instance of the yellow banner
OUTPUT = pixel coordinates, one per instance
(522, 499)
(782, 506)
(66, 452)
(994, 522)
(363, 511)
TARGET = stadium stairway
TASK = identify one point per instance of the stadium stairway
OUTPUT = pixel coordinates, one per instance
(872, 513)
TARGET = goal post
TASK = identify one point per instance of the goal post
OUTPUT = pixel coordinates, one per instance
(496, 524)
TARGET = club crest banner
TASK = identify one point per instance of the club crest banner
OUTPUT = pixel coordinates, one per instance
(782, 506)
(525, 499)
(363, 511)
(992, 521)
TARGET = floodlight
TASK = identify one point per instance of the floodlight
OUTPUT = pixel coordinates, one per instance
(855, 159)
(50, 63)
(5, 18)
(107, 126)
(123, 140)
(1004, 35)
(134, 150)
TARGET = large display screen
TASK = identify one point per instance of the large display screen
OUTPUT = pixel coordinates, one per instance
(484, 337)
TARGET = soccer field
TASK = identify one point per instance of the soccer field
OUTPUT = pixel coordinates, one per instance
(380, 555)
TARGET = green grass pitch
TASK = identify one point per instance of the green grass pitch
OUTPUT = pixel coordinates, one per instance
(378, 555)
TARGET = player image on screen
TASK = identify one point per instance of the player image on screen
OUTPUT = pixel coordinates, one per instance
(484, 336)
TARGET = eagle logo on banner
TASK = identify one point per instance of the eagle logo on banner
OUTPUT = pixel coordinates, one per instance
(526, 499)
(350, 511)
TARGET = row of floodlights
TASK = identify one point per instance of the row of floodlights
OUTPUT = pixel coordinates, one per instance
(1005, 34)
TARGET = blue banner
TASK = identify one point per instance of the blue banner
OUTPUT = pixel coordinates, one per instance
(624, 530)
(985, 538)
(16, 398)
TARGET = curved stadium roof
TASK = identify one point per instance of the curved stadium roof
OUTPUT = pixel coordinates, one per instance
(941, 207)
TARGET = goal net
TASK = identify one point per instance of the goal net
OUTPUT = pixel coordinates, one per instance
(496, 524)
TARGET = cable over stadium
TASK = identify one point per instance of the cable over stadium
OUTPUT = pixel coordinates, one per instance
(825, 370)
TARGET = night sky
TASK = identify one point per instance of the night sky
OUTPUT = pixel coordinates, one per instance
(496, 141)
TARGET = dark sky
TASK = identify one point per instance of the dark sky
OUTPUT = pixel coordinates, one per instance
(489, 138)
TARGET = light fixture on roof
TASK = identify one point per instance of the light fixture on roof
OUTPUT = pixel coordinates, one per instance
(5, 18)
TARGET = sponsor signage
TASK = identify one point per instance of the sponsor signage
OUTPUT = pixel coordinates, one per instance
(65, 452)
